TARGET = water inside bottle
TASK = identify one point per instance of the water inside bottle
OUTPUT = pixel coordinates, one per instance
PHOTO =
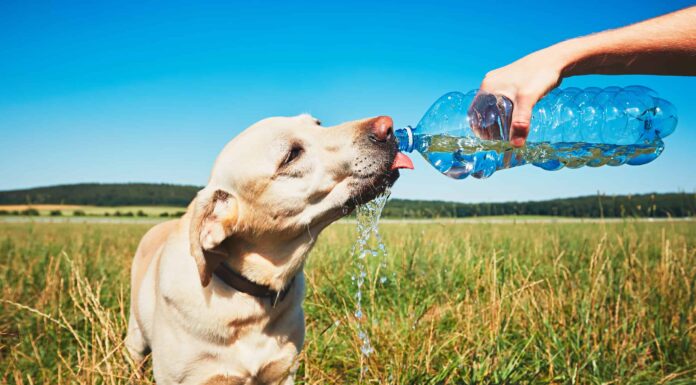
(459, 157)
(368, 247)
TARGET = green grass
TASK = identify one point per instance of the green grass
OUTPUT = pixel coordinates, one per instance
(466, 304)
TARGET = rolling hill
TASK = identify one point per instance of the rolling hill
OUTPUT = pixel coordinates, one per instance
(98, 194)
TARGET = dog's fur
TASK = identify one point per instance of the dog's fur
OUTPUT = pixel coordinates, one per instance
(272, 190)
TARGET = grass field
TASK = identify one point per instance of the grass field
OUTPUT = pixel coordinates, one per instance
(466, 304)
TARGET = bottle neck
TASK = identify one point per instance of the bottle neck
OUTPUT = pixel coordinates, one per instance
(405, 139)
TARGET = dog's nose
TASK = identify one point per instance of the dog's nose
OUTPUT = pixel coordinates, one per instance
(381, 129)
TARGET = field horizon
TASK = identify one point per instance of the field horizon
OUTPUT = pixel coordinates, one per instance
(90, 210)
(149, 199)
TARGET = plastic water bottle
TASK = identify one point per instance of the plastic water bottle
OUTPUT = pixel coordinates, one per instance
(467, 134)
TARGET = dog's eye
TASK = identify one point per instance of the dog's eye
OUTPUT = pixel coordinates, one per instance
(294, 153)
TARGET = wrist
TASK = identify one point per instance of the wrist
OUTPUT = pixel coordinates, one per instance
(559, 58)
(568, 56)
(582, 55)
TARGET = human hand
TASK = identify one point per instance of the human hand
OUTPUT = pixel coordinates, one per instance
(524, 82)
(669, 50)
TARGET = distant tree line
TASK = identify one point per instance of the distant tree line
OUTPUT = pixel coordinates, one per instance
(27, 212)
(97, 194)
(645, 205)
(144, 194)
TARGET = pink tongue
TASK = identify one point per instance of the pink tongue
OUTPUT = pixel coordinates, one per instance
(401, 161)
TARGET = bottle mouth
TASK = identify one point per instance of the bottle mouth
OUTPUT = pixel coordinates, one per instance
(404, 138)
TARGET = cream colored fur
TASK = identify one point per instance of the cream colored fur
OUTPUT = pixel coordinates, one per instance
(260, 214)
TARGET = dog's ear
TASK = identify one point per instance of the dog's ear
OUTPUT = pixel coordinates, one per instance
(214, 219)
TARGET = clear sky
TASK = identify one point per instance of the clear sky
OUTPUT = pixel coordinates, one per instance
(150, 91)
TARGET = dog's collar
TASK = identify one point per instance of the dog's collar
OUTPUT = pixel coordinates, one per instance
(241, 283)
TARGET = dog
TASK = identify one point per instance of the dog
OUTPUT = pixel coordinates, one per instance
(216, 296)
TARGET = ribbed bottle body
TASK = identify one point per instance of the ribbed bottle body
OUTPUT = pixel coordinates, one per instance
(467, 134)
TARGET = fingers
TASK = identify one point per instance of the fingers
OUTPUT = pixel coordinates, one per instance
(475, 117)
(521, 119)
(524, 82)
(482, 117)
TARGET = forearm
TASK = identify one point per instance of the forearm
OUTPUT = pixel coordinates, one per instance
(665, 45)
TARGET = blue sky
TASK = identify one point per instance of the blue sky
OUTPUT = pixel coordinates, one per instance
(151, 91)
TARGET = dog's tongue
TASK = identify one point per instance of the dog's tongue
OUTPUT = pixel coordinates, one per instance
(401, 161)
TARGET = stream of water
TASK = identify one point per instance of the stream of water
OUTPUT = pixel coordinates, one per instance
(369, 245)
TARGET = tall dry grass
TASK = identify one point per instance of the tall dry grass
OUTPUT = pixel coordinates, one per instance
(465, 304)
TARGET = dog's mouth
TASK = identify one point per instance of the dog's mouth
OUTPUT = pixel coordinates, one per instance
(368, 186)
(371, 188)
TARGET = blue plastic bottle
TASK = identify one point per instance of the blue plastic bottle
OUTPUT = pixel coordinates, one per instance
(467, 134)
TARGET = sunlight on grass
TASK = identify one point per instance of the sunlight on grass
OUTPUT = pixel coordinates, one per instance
(465, 304)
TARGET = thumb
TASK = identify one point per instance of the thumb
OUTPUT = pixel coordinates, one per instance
(521, 117)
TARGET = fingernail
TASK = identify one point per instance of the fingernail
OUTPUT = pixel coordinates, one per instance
(517, 142)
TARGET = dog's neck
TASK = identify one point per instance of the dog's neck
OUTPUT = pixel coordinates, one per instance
(272, 264)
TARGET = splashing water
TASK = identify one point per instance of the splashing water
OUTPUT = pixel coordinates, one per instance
(368, 244)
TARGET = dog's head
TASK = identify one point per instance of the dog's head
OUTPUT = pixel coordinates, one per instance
(280, 182)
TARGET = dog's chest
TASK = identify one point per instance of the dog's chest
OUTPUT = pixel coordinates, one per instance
(260, 359)
(225, 336)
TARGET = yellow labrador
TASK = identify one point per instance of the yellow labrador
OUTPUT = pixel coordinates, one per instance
(217, 295)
